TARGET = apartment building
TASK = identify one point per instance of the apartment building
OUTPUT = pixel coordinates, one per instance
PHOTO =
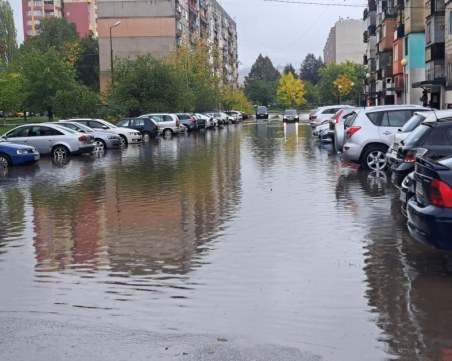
(131, 28)
(80, 12)
(344, 42)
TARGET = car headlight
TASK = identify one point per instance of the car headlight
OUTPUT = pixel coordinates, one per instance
(22, 151)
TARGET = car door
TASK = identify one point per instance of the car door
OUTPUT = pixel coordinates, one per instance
(18, 135)
(391, 121)
(137, 124)
(44, 138)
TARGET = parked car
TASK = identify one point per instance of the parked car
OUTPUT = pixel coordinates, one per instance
(290, 115)
(51, 139)
(324, 113)
(430, 210)
(244, 115)
(370, 132)
(221, 118)
(169, 123)
(104, 140)
(17, 154)
(128, 136)
(204, 121)
(238, 116)
(407, 191)
(188, 121)
(148, 127)
(429, 140)
(261, 112)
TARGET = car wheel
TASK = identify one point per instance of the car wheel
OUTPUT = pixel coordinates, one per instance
(123, 141)
(146, 137)
(374, 158)
(60, 151)
(167, 133)
(4, 161)
(100, 145)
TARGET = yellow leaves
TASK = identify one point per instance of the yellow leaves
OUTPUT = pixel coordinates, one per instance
(290, 91)
(343, 84)
(235, 99)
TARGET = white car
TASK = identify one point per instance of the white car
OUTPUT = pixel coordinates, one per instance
(169, 123)
(51, 139)
(325, 113)
(128, 136)
(370, 132)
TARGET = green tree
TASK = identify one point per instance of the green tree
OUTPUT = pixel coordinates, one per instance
(87, 103)
(8, 35)
(312, 93)
(87, 63)
(43, 75)
(262, 69)
(290, 91)
(10, 91)
(310, 68)
(290, 69)
(260, 91)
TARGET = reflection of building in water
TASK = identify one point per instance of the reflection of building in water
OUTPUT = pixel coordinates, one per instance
(143, 217)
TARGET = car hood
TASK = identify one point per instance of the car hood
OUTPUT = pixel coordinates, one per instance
(15, 146)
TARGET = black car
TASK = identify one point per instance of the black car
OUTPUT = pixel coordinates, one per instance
(148, 127)
(431, 140)
(290, 115)
(261, 112)
(430, 210)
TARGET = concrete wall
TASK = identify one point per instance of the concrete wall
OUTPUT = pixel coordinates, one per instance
(415, 69)
(414, 16)
(349, 42)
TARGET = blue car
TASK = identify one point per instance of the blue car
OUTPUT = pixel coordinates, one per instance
(17, 154)
(430, 209)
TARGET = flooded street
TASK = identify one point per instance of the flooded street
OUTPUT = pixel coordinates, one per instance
(253, 242)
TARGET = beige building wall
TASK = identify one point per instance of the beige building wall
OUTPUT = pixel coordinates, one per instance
(414, 19)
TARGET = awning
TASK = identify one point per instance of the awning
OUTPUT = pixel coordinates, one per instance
(430, 84)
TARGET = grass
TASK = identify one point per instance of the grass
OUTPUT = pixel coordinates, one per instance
(7, 124)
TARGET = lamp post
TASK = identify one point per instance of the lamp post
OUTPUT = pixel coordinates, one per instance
(404, 63)
(111, 53)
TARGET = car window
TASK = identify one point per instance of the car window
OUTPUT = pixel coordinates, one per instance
(157, 118)
(417, 135)
(69, 126)
(412, 123)
(167, 118)
(350, 120)
(46, 131)
(375, 117)
(137, 122)
(261, 109)
(19, 132)
(395, 118)
(123, 123)
(438, 136)
(95, 124)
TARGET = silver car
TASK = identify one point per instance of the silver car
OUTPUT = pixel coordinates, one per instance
(51, 139)
(104, 140)
(169, 123)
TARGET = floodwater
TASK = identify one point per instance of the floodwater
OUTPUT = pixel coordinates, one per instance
(252, 242)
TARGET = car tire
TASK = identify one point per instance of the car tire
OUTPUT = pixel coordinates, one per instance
(167, 132)
(124, 142)
(100, 145)
(4, 161)
(339, 137)
(60, 151)
(146, 136)
(374, 157)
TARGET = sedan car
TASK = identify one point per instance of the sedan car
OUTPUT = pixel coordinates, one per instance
(290, 115)
(17, 154)
(51, 139)
(148, 127)
(430, 210)
(128, 136)
(104, 140)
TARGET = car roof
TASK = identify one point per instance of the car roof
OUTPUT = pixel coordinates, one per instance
(394, 106)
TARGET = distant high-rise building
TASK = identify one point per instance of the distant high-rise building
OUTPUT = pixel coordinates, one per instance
(345, 42)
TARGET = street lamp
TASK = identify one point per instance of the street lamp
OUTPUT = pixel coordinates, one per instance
(111, 53)
(404, 63)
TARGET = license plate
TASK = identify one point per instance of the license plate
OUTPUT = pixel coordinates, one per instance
(403, 197)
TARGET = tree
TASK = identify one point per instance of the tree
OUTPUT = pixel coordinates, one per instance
(86, 105)
(10, 92)
(235, 99)
(310, 68)
(290, 69)
(290, 91)
(262, 69)
(43, 75)
(87, 64)
(261, 91)
(8, 35)
(343, 84)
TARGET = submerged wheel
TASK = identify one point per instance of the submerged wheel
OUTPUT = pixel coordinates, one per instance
(167, 132)
(4, 161)
(100, 145)
(374, 158)
(123, 141)
(60, 151)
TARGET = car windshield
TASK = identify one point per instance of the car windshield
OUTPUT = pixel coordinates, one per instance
(261, 109)
(65, 128)
(108, 124)
(85, 128)
(290, 112)
(416, 135)
(412, 123)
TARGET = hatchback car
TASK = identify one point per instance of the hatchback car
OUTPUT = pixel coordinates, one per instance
(188, 121)
(370, 132)
(325, 113)
(51, 139)
(104, 140)
(429, 140)
(261, 112)
(169, 123)
(17, 154)
(430, 210)
(128, 136)
(148, 127)
(291, 115)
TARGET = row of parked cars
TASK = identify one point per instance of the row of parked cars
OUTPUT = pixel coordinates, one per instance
(412, 143)
(26, 143)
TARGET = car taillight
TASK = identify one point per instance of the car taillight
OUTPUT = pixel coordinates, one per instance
(338, 115)
(440, 194)
(410, 158)
(83, 138)
(313, 117)
(351, 131)
(193, 120)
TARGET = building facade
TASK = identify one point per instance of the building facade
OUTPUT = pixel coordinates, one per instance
(344, 42)
(157, 27)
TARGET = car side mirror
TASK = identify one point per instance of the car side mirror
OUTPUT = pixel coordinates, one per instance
(104, 127)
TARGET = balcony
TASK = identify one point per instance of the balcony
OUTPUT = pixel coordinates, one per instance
(434, 7)
(386, 72)
(399, 4)
(399, 83)
(389, 13)
(434, 70)
(365, 13)
(434, 52)
(192, 6)
(399, 31)
(372, 30)
(203, 4)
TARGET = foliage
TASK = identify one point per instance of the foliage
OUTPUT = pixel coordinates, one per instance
(310, 68)
(312, 93)
(8, 34)
(87, 63)
(10, 94)
(86, 102)
(235, 99)
(290, 69)
(261, 91)
(343, 84)
(146, 85)
(290, 91)
(329, 74)
(262, 69)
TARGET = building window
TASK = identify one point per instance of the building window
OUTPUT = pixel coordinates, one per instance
(384, 31)
(428, 32)
(396, 52)
(449, 74)
(450, 23)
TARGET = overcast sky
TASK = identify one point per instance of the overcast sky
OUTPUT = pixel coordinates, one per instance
(285, 31)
